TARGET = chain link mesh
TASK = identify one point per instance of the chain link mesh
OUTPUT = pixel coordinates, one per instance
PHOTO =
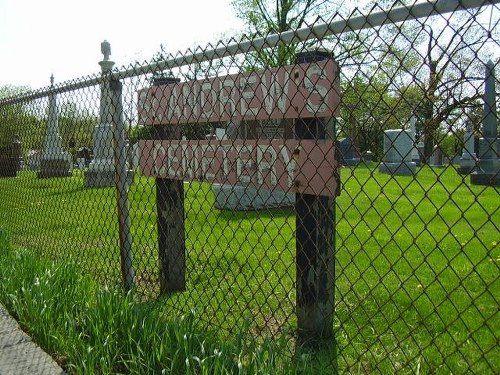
(408, 246)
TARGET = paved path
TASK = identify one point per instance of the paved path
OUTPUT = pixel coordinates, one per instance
(18, 354)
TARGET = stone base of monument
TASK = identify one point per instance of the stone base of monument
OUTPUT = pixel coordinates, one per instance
(50, 168)
(352, 162)
(398, 169)
(485, 179)
(98, 179)
(229, 197)
(467, 166)
(437, 165)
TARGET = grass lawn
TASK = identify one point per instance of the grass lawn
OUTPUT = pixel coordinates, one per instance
(417, 262)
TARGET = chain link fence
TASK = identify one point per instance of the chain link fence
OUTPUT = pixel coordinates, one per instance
(336, 185)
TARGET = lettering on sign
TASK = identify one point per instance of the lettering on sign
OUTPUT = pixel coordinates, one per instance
(294, 91)
(303, 166)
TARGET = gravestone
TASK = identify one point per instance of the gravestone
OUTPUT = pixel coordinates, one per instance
(468, 159)
(397, 153)
(437, 159)
(488, 167)
(349, 149)
(85, 154)
(33, 159)
(347, 153)
(55, 162)
(240, 197)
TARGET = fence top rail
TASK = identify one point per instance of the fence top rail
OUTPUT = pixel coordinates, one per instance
(415, 11)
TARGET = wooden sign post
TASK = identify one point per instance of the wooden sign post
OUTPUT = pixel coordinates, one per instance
(315, 241)
(170, 217)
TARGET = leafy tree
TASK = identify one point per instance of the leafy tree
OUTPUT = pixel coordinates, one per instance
(263, 17)
(454, 78)
(17, 120)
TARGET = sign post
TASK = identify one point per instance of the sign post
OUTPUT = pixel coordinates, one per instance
(170, 217)
(315, 242)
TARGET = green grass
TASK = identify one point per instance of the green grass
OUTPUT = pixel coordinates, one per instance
(417, 263)
(94, 330)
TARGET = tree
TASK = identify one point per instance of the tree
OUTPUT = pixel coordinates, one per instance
(263, 17)
(17, 120)
(452, 81)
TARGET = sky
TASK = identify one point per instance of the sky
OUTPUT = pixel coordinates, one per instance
(63, 37)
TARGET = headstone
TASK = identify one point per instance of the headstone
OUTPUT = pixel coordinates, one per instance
(367, 155)
(33, 159)
(488, 167)
(347, 152)
(101, 171)
(80, 163)
(84, 153)
(55, 162)
(468, 159)
(437, 159)
(229, 197)
(397, 153)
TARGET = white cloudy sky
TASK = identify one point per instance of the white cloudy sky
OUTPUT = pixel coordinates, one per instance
(41, 37)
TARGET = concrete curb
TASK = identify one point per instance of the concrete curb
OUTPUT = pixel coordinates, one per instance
(18, 354)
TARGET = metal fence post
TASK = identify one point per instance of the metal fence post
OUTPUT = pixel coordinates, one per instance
(315, 242)
(121, 183)
(170, 218)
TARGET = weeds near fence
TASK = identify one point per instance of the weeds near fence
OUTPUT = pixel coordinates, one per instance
(90, 329)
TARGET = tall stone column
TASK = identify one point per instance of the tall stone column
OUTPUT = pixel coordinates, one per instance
(488, 168)
(55, 162)
(101, 171)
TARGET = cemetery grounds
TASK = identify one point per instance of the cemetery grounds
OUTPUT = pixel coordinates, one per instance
(417, 261)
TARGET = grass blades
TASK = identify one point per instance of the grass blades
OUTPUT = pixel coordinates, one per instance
(92, 330)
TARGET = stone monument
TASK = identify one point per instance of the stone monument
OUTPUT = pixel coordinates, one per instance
(240, 197)
(468, 159)
(101, 171)
(488, 167)
(397, 161)
(349, 149)
(55, 162)
(437, 157)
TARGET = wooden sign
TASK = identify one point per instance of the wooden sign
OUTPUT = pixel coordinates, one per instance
(294, 91)
(302, 166)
